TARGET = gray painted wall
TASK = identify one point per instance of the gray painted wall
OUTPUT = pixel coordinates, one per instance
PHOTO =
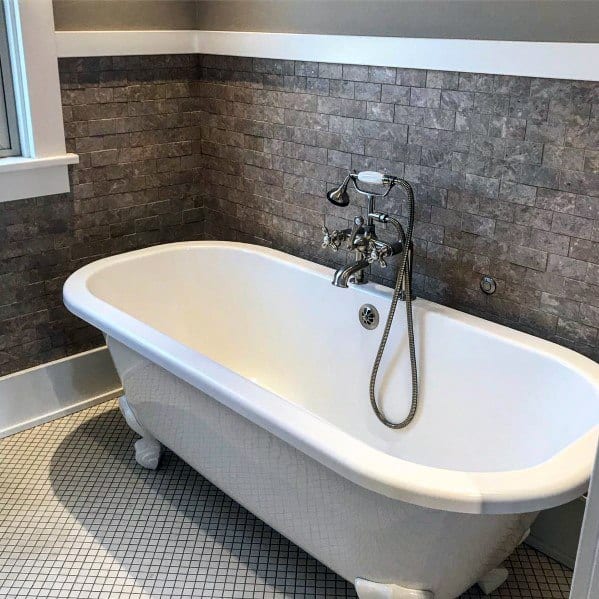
(82, 15)
(534, 20)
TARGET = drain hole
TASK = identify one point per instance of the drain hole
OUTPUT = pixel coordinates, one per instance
(369, 316)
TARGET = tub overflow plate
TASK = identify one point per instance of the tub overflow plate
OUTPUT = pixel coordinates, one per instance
(369, 316)
(488, 285)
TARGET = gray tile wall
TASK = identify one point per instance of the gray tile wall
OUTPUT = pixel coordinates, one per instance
(506, 173)
(184, 147)
(131, 121)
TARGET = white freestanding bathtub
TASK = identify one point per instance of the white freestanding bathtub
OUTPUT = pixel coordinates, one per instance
(253, 368)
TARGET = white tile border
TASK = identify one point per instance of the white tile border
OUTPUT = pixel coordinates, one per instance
(535, 59)
(43, 393)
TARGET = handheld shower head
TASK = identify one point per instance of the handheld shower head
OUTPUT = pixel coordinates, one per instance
(339, 195)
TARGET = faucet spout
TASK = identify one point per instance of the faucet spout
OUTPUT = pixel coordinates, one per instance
(343, 275)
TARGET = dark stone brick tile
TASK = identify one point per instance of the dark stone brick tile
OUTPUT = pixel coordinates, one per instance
(442, 79)
(355, 72)
(573, 226)
(378, 111)
(382, 74)
(532, 109)
(551, 89)
(585, 91)
(436, 157)
(306, 69)
(545, 133)
(558, 201)
(583, 249)
(567, 267)
(409, 115)
(507, 127)
(549, 241)
(330, 70)
(492, 104)
(395, 94)
(589, 315)
(435, 118)
(514, 86)
(426, 98)
(376, 130)
(342, 89)
(568, 113)
(479, 225)
(531, 258)
(318, 86)
(534, 217)
(368, 91)
(492, 208)
(484, 186)
(274, 67)
(583, 136)
(591, 161)
(523, 152)
(582, 183)
(477, 124)
(560, 306)
(540, 176)
(512, 233)
(447, 218)
(411, 77)
(476, 82)
(576, 331)
(588, 207)
(517, 193)
(563, 158)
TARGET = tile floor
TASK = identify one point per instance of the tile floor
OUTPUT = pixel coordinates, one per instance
(79, 518)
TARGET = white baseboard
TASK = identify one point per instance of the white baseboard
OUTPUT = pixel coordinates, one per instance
(561, 60)
(43, 393)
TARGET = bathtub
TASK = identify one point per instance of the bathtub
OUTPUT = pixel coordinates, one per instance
(254, 369)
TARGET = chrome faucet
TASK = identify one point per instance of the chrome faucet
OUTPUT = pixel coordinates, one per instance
(362, 238)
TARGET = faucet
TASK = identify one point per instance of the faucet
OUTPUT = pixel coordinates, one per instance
(362, 238)
(368, 248)
(355, 271)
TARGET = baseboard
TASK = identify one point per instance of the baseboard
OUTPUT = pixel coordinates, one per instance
(43, 393)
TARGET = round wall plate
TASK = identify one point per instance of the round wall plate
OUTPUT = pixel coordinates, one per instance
(488, 285)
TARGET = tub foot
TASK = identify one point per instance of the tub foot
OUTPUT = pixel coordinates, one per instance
(376, 590)
(492, 580)
(147, 449)
(147, 452)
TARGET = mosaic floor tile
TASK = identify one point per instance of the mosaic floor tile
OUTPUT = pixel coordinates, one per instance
(79, 518)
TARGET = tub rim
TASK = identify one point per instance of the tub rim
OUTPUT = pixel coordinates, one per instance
(557, 480)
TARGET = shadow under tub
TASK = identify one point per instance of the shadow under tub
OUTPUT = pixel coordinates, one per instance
(173, 523)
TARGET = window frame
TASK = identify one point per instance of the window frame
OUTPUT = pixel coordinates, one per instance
(8, 111)
(42, 167)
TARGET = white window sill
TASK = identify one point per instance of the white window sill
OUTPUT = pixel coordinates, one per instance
(33, 177)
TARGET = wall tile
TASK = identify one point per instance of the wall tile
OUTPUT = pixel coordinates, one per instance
(504, 170)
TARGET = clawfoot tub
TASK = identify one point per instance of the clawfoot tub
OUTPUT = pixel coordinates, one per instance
(254, 369)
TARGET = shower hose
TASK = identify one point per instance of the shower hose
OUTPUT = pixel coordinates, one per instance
(404, 278)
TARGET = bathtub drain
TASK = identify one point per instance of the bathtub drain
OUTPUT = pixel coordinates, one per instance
(369, 316)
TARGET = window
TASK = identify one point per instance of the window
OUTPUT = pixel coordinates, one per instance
(9, 134)
(33, 158)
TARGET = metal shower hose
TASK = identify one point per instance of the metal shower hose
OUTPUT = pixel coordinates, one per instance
(402, 274)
